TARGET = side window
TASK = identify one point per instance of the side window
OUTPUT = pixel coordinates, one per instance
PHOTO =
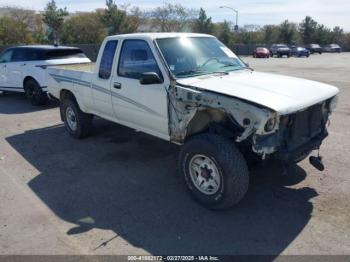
(107, 59)
(6, 56)
(34, 55)
(19, 55)
(135, 59)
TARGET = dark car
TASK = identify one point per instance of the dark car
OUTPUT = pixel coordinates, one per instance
(261, 52)
(300, 51)
(280, 50)
(315, 48)
(332, 48)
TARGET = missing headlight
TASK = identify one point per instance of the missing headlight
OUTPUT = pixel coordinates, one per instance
(270, 124)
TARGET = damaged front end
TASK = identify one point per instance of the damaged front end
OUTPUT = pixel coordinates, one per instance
(298, 134)
(186, 103)
(290, 138)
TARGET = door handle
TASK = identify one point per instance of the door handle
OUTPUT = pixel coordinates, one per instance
(117, 85)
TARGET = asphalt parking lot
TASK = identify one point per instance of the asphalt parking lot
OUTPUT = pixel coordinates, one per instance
(118, 192)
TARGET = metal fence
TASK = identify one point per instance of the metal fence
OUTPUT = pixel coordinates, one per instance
(91, 50)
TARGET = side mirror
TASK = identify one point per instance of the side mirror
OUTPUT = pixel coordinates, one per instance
(150, 78)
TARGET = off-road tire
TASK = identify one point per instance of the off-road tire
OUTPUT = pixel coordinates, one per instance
(83, 120)
(34, 93)
(230, 163)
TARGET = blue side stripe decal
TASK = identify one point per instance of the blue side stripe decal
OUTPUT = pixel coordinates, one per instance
(60, 78)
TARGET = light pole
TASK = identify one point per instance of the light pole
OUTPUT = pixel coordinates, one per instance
(236, 12)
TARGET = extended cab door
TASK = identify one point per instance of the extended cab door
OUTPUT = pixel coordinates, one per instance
(143, 107)
(102, 80)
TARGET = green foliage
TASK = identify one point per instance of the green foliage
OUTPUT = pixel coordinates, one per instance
(307, 29)
(203, 24)
(224, 33)
(270, 34)
(113, 18)
(53, 17)
(14, 32)
(288, 33)
(25, 26)
(85, 28)
(171, 18)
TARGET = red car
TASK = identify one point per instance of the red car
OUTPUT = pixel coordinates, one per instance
(261, 52)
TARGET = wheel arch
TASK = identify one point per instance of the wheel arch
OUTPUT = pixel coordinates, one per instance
(214, 121)
(66, 94)
(27, 78)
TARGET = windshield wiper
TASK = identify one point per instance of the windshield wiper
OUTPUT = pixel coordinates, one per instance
(190, 72)
(228, 65)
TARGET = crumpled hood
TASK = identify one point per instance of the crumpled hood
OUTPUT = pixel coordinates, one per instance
(282, 94)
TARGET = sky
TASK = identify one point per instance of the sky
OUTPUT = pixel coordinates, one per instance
(328, 12)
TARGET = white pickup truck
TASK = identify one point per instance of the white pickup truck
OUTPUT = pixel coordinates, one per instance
(192, 90)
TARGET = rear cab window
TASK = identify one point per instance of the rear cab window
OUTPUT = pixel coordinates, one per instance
(107, 58)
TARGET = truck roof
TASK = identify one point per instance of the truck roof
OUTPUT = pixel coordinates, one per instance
(157, 35)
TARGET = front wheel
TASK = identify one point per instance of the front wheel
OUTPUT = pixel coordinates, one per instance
(215, 171)
(77, 123)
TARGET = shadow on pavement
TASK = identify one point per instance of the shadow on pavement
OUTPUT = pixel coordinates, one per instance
(127, 182)
(16, 103)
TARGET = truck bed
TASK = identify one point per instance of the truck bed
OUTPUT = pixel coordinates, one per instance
(75, 77)
(83, 67)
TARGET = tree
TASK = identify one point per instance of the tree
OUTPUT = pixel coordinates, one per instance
(337, 35)
(85, 28)
(29, 20)
(14, 32)
(271, 34)
(322, 35)
(133, 20)
(307, 29)
(288, 33)
(53, 17)
(224, 32)
(113, 18)
(203, 24)
(171, 18)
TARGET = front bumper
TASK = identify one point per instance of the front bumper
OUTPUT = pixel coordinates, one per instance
(298, 134)
(301, 152)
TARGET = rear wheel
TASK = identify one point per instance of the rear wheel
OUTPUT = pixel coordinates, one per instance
(34, 93)
(215, 171)
(77, 123)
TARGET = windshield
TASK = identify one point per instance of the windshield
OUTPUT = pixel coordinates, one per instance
(193, 56)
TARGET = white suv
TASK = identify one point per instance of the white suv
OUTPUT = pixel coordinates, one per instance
(21, 68)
